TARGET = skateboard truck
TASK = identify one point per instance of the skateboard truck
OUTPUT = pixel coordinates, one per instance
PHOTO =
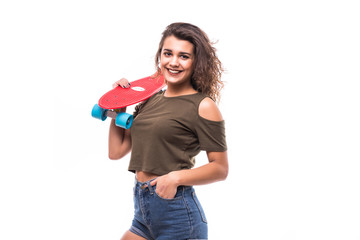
(122, 119)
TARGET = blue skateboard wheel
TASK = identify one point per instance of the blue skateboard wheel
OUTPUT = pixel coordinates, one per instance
(98, 112)
(124, 120)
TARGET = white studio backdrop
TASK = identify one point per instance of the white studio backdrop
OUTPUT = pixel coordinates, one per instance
(291, 106)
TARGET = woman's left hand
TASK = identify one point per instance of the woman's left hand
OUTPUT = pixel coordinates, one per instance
(166, 186)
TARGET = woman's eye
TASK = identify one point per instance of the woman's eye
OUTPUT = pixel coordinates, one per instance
(184, 57)
(167, 54)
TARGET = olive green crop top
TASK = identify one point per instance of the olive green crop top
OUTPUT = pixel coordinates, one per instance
(168, 132)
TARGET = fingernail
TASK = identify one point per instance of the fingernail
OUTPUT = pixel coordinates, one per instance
(129, 84)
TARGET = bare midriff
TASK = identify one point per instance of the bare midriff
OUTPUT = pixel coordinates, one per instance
(145, 176)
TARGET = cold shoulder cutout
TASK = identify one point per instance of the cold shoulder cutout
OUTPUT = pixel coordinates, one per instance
(209, 110)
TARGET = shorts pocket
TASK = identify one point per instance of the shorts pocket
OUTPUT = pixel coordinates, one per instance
(178, 195)
(170, 215)
(196, 200)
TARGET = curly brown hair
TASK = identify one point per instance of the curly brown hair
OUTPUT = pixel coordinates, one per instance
(206, 77)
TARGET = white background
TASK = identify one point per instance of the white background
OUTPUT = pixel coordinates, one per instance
(291, 105)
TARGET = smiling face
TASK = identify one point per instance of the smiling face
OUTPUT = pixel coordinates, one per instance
(176, 61)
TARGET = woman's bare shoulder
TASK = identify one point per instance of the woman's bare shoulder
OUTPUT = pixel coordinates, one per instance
(209, 110)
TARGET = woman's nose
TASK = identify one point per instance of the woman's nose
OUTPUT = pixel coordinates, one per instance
(174, 62)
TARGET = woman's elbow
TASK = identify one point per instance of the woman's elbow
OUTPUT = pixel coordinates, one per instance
(222, 166)
(116, 155)
(224, 173)
(113, 156)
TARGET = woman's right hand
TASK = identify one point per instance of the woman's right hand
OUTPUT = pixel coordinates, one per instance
(124, 83)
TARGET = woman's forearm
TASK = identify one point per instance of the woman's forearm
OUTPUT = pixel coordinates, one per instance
(215, 170)
(119, 141)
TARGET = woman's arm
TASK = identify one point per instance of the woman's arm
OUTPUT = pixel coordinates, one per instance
(119, 141)
(215, 170)
(119, 138)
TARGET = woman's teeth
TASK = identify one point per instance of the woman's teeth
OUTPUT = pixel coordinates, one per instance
(173, 71)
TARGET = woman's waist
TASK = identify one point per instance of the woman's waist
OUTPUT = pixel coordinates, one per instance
(142, 176)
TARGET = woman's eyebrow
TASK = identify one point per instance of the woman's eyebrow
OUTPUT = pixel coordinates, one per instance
(169, 50)
(186, 53)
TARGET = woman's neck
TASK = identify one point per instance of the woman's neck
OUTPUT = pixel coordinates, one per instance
(174, 91)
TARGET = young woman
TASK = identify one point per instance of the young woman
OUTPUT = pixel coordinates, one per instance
(168, 131)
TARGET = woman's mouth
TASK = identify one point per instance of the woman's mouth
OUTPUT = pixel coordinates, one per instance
(173, 72)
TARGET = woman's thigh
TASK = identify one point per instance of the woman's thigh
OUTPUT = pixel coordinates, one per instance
(131, 236)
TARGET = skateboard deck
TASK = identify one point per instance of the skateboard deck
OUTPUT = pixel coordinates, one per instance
(120, 97)
(138, 91)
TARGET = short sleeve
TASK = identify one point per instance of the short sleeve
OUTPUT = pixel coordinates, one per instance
(211, 135)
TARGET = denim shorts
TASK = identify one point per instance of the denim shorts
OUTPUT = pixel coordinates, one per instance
(180, 218)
